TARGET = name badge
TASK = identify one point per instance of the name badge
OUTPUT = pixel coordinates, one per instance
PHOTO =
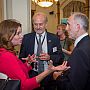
(54, 49)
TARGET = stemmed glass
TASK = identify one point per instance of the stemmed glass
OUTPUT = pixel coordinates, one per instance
(35, 66)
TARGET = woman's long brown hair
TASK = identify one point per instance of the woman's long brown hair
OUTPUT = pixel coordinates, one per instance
(7, 29)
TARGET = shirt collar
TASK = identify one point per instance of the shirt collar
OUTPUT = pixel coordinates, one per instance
(41, 34)
(79, 38)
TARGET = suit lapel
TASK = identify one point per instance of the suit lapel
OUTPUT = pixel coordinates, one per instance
(49, 43)
(33, 42)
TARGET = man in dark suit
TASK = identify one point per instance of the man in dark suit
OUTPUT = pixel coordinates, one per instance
(51, 48)
(78, 76)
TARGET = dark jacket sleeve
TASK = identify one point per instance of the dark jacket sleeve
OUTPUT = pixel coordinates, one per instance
(27, 46)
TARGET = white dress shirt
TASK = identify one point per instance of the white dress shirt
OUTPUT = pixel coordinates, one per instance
(44, 47)
(79, 38)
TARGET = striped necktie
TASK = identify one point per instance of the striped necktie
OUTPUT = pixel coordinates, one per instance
(40, 62)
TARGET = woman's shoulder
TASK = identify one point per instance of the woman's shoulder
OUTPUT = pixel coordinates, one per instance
(6, 54)
(2, 50)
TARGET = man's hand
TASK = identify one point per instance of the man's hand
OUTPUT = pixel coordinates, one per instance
(44, 56)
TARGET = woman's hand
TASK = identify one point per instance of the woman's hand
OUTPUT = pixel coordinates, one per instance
(58, 70)
(30, 59)
(62, 67)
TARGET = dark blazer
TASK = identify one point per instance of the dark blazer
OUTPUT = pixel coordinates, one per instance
(28, 42)
(78, 76)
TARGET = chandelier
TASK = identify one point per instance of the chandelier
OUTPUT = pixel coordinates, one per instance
(44, 3)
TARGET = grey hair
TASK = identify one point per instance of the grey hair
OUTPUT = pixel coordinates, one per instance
(40, 14)
(82, 19)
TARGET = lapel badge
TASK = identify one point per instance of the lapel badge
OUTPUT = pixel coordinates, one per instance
(49, 41)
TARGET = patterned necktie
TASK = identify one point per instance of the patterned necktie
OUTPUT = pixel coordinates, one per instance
(40, 62)
(39, 48)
